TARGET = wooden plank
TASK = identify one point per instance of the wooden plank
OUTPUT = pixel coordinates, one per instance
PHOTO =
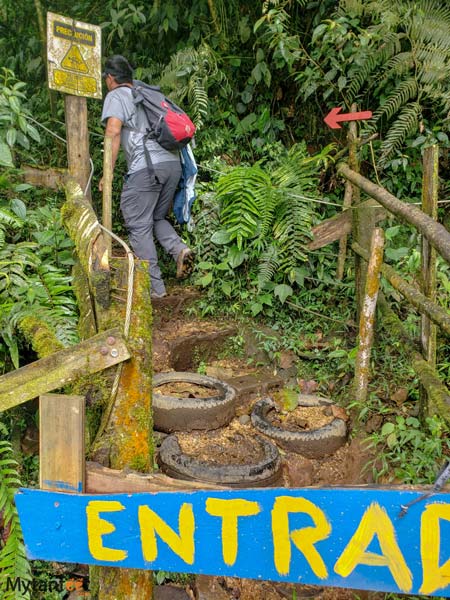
(51, 178)
(101, 480)
(336, 227)
(52, 372)
(344, 537)
(61, 442)
(77, 136)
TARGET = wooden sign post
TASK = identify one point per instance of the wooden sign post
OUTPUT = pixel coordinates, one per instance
(74, 67)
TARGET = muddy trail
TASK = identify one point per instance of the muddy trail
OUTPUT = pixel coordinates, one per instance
(184, 343)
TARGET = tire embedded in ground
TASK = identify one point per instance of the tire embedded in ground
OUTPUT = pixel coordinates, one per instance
(314, 443)
(171, 413)
(178, 465)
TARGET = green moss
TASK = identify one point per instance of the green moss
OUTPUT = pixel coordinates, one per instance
(41, 336)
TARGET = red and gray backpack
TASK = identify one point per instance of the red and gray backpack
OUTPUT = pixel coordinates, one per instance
(168, 124)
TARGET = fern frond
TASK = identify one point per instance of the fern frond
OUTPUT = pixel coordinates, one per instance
(247, 202)
(359, 74)
(13, 561)
(268, 265)
(403, 93)
(198, 100)
(406, 123)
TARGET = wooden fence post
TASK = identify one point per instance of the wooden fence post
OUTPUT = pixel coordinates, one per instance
(430, 186)
(77, 136)
(367, 319)
(107, 189)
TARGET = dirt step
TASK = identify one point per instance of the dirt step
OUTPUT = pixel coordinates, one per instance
(173, 305)
(185, 344)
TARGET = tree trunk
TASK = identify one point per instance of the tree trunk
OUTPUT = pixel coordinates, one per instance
(411, 293)
(367, 320)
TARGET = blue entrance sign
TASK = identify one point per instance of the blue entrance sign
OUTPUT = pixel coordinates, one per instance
(344, 537)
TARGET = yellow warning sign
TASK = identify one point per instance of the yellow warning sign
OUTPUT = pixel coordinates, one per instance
(77, 84)
(74, 56)
(74, 61)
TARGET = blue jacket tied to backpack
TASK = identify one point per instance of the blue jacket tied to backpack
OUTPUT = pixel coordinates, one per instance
(185, 195)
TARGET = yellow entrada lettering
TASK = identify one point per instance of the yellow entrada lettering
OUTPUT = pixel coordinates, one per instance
(304, 539)
(434, 576)
(97, 527)
(375, 521)
(230, 511)
(182, 544)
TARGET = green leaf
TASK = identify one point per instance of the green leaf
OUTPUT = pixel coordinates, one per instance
(283, 291)
(256, 308)
(206, 279)
(19, 208)
(33, 133)
(226, 288)
(387, 429)
(5, 156)
(221, 237)
(235, 257)
(290, 399)
(11, 136)
(205, 266)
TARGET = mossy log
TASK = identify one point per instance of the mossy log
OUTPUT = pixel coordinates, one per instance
(81, 222)
(50, 178)
(58, 369)
(336, 227)
(41, 335)
(87, 326)
(127, 423)
(367, 318)
(411, 293)
(435, 233)
(438, 394)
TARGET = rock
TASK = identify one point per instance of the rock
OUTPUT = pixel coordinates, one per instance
(244, 419)
(169, 592)
(209, 588)
(287, 359)
(219, 372)
(374, 423)
(300, 470)
(400, 396)
(339, 413)
(308, 387)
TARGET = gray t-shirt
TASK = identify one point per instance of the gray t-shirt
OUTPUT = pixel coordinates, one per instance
(119, 103)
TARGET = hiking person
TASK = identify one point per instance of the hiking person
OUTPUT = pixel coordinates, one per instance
(151, 179)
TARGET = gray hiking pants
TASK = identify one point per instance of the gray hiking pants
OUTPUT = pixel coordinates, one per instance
(145, 202)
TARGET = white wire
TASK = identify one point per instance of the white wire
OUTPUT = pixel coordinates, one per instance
(126, 330)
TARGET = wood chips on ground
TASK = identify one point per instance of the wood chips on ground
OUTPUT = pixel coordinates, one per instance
(184, 389)
(234, 445)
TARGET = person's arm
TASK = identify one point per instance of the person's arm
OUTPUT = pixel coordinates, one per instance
(113, 129)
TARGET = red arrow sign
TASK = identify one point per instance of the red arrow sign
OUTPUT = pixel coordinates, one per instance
(333, 118)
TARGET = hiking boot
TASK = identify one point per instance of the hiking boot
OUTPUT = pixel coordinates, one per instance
(185, 263)
(155, 295)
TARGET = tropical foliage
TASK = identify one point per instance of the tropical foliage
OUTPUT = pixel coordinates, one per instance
(13, 562)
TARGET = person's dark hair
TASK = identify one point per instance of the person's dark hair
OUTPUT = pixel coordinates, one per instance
(119, 68)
